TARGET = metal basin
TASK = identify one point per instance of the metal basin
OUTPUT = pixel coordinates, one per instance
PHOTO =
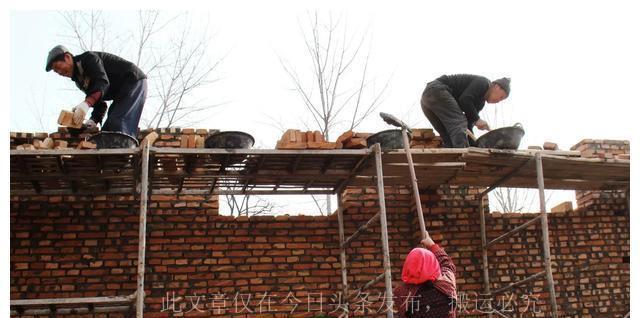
(229, 139)
(502, 138)
(388, 139)
(113, 140)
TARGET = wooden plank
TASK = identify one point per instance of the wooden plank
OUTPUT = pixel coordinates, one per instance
(67, 301)
(292, 145)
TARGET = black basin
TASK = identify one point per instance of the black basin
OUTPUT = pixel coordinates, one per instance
(388, 139)
(229, 139)
(113, 140)
(502, 138)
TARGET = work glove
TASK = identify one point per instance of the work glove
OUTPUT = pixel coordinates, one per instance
(79, 112)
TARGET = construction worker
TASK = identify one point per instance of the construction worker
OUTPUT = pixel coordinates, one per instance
(452, 103)
(103, 77)
(428, 288)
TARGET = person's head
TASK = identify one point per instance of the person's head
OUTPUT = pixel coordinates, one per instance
(60, 60)
(499, 90)
(420, 266)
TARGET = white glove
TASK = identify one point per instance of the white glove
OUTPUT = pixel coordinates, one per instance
(91, 124)
(79, 112)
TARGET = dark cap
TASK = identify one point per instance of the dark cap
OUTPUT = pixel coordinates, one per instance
(504, 83)
(57, 50)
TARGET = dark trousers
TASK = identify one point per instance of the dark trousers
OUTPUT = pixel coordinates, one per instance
(445, 115)
(125, 110)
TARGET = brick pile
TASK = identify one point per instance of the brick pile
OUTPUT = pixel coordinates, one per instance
(425, 138)
(353, 140)
(296, 139)
(173, 137)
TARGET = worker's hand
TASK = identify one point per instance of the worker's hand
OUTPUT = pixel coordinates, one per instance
(79, 112)
(91, 125)
(482, 125)
(427, 242)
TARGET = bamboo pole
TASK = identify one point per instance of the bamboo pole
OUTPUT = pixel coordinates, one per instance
(414, 184)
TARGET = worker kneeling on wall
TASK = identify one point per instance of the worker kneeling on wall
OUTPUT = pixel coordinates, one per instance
(103, 77)
(452, 103)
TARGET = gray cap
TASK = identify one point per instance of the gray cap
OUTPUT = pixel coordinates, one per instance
(57, 50)
(504, 83)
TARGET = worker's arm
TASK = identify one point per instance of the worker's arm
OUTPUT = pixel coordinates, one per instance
(446, 264)
(99, 82)
(476, 90)
(99, 109)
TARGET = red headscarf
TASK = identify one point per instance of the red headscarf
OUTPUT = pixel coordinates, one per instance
(420, 266)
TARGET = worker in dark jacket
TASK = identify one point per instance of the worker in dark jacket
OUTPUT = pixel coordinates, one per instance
(103, 77)
(452, 103)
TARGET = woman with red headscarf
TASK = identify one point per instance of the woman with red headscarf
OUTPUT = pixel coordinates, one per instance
(428, 283)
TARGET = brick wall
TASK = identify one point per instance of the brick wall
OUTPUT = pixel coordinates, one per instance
(608, 200)
(77, 246)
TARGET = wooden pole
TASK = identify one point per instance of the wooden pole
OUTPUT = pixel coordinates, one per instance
(485, 258)
(414, 184)
(384, 235)
(545, 236)
(142, 230)
(343, 256)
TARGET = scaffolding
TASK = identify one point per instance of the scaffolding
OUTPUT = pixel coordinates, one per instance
(150, 170)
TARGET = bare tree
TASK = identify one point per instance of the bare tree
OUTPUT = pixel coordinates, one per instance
(38, 108)
(342, 93)
(176, 69)
(513, 199)
(92, 31)
(244, 205)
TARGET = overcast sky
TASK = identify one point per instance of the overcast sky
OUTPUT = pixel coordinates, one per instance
(574, 66)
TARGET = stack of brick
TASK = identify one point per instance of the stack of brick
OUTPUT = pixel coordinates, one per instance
(353, 140)
(424, 138)
(175, 137)
(61, 139)
(603, 149)
(296, 139)
(166, 137)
